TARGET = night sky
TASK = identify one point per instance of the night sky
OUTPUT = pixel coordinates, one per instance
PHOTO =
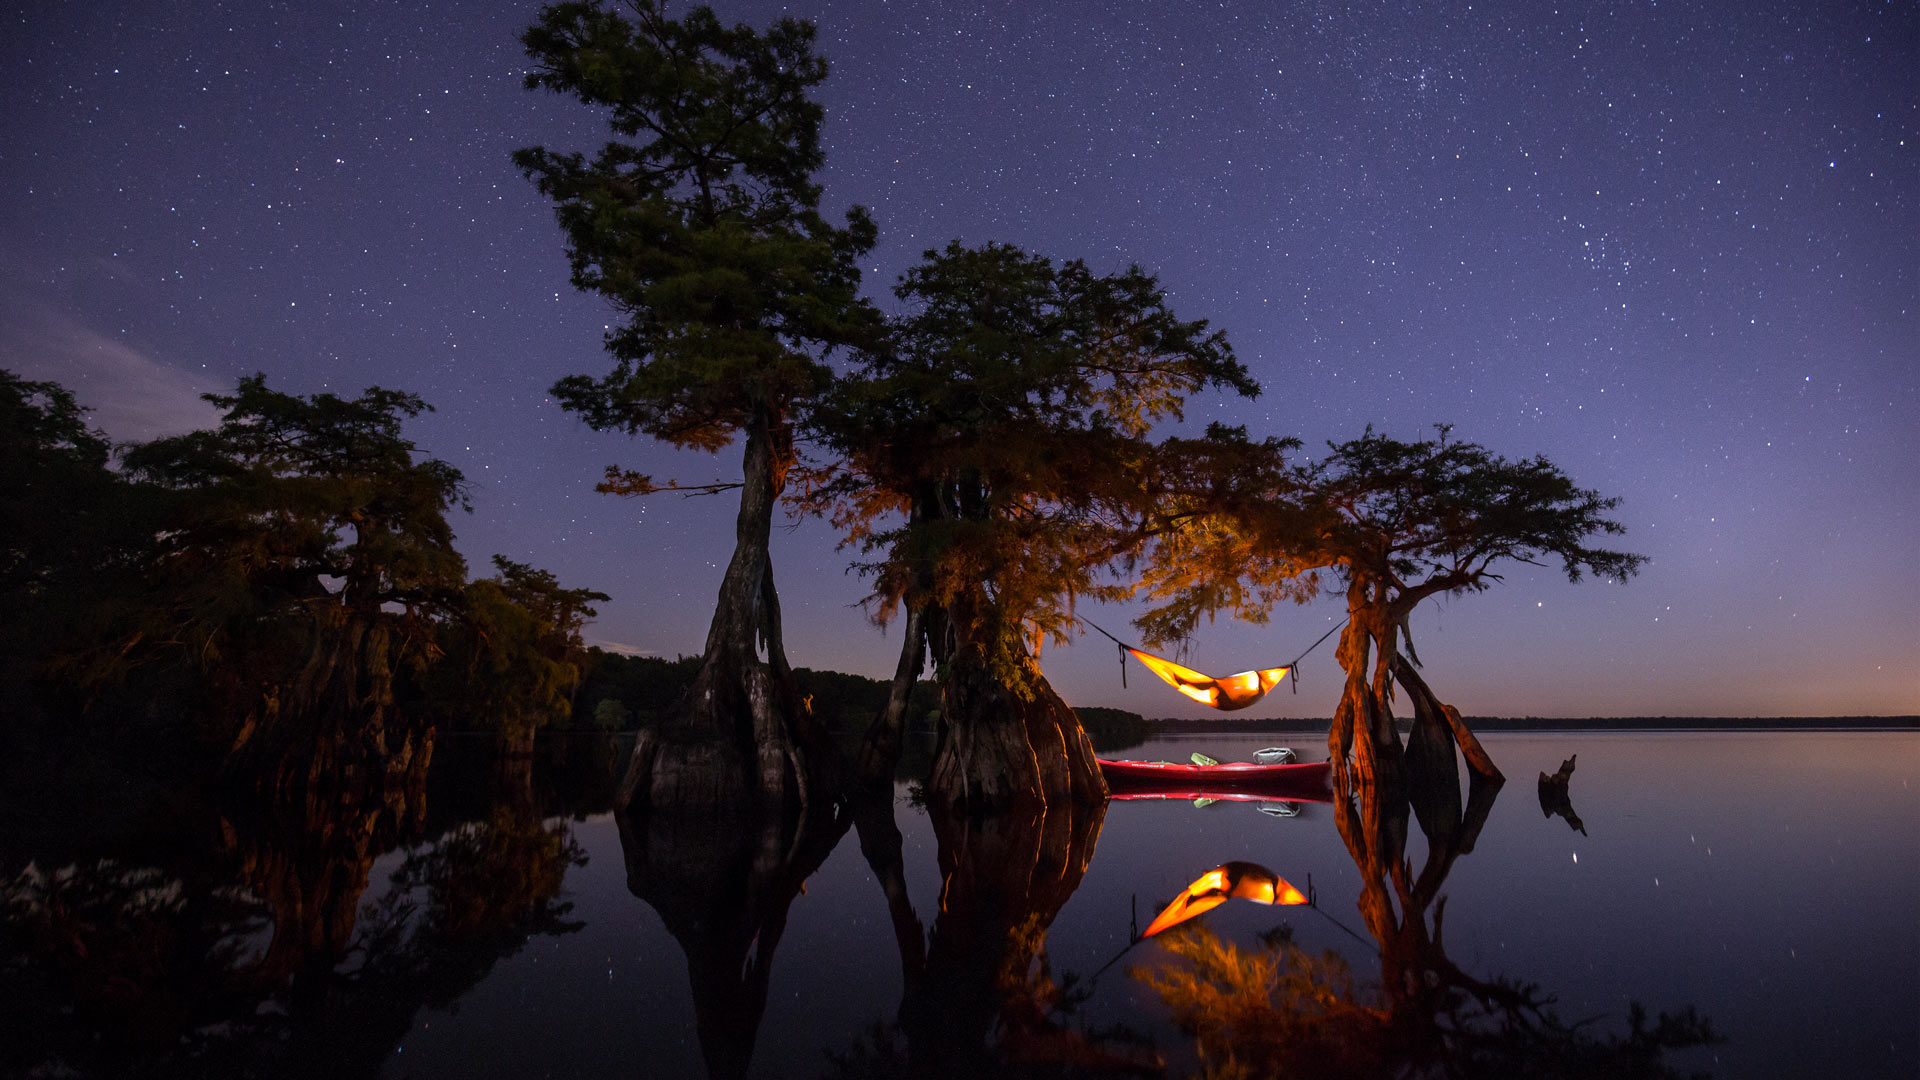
(1671, 246)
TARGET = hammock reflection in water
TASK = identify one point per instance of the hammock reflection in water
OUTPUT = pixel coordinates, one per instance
(1231, 880)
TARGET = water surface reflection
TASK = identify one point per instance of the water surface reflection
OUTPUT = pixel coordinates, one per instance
(485, 920)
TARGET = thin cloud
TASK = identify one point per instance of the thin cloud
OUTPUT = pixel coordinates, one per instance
(623, 648)
(131, 395)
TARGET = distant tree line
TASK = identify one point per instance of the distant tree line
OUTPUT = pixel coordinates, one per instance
(619, 692)
(287, 580)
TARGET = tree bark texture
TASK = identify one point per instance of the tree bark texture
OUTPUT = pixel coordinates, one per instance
(880, 750)
(332, 726)
(1363, 722)
(1441, 724)
(741, 736)
(1005, 744)
(971, 1012)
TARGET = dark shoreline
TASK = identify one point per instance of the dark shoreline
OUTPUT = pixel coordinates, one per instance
(1293, 725)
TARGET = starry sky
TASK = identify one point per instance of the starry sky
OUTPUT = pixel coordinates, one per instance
(1672, 246)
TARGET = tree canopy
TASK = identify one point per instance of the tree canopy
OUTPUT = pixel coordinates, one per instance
(305, 557)
(514, 657)
(699, 221)
(1437, 515)
(1392, 523)
(997, 449)
(69, 525)
(992, 457)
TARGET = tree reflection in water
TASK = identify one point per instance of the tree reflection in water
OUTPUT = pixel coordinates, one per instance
(1276, 1010)
(981, 998)
(722, 884)
(252, 954)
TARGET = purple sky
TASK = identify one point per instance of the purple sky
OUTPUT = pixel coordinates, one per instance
(1671, 246)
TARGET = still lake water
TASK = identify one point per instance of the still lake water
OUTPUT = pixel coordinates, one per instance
(1770, 881)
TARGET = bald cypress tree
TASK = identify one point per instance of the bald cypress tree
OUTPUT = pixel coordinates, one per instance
(699, 221)
(302, 561)
(995, 462)
(1388, 524)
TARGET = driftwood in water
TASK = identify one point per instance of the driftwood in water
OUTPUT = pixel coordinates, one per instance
(1555, 798)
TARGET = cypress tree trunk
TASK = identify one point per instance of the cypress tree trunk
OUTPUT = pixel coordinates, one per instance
(1441, 722)
(1363, 722)
(880, 750)
(741, 735)
(1006, 739)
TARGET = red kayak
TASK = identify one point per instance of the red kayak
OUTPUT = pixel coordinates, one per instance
(1227, 780)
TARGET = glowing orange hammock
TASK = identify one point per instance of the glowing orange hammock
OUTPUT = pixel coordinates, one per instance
(1226, 693)
(1233, 880)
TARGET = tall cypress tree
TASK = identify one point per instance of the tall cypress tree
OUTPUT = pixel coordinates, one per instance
(699, 221)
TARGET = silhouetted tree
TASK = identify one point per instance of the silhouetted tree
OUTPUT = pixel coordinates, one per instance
(72, 530)
(1403, 521)
(700, 222)
(995, 459)
(513, 654)
(305, 558)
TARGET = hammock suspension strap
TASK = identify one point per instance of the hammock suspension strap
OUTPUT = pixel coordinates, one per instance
(1292, 668)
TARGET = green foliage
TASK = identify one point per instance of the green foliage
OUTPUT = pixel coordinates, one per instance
(71, 529)
(699, 221)
(1435, 516)
(303, 554)
(1231, 536)
(1390, 522)
(288, 491)
(513, 653)
(612, 714)
(47, 456)
(643, 686)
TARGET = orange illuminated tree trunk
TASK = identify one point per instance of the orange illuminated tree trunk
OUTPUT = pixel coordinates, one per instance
(1006, 738)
